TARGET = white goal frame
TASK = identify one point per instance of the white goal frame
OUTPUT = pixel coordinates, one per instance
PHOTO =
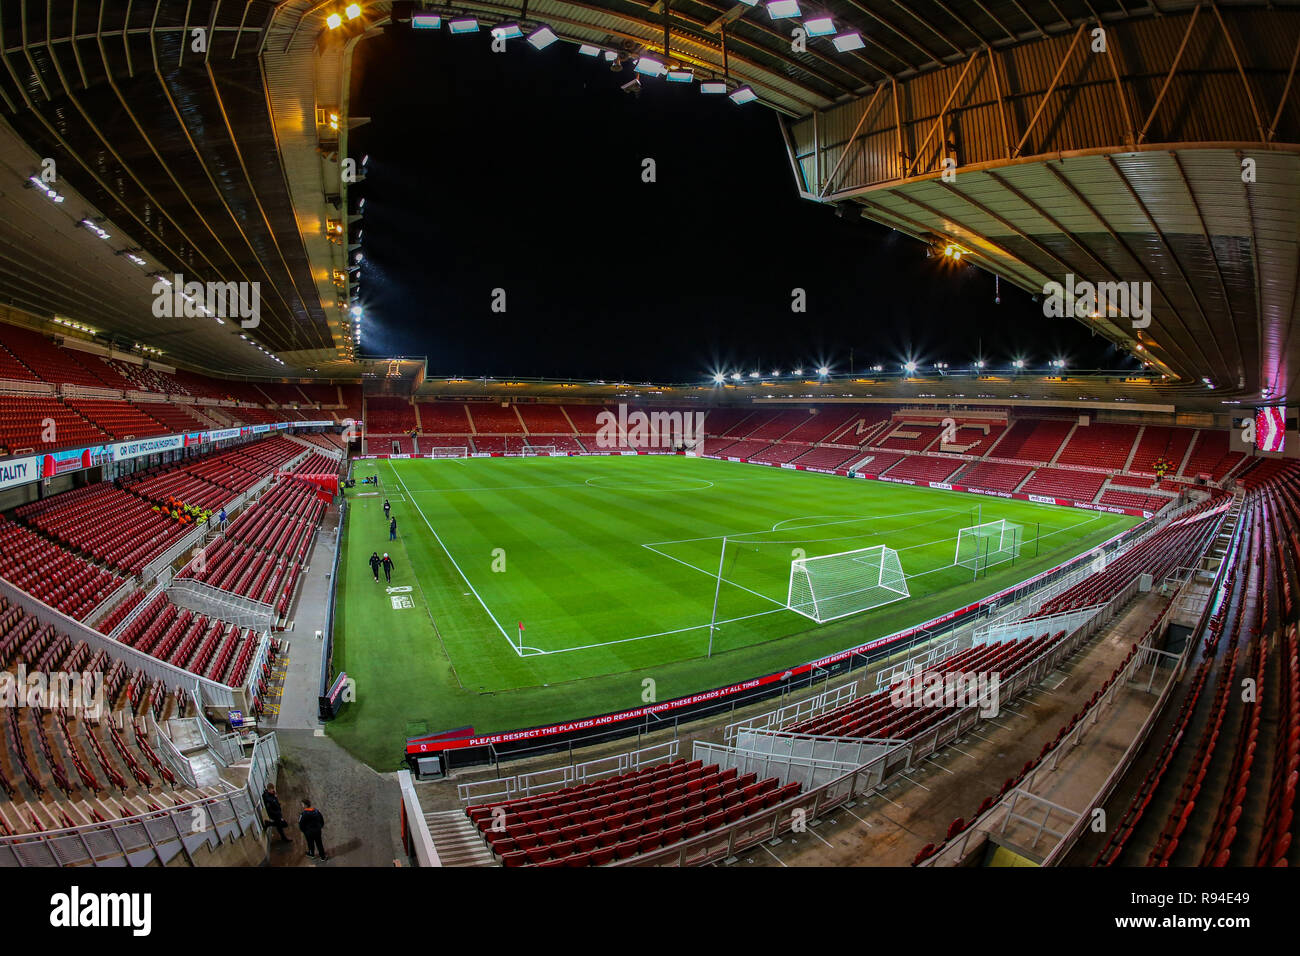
(888, 580)
(1000, 530)
(531, 451)
(442, 451)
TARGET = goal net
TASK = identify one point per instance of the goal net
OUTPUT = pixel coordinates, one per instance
(985, 545)
(837, 585)
(539, 450)
(448, 451)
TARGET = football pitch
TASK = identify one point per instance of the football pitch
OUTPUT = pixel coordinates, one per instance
(614, 566)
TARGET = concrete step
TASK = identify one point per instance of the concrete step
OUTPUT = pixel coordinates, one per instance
(457, 840)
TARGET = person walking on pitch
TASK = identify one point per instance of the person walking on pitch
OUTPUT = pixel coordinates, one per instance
(387, 508)
(388, 568)
(374, 565)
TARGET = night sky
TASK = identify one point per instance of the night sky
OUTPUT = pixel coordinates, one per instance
(522, 171)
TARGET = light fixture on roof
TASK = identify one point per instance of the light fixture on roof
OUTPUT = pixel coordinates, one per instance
(743, 95)
(463, 25)
(353, 10)
(542, 37)
(49, 193)
(95, 229)
(587, 49)
(847, 42)
(823, 371)
(719, 378)
(680, 76)
(334, 21)
(783, 9)
(819, 26)
(426, 21)
(648, 66)
(507, 31)
(714, 87)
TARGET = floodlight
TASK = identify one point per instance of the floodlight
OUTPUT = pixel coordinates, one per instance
(426, 21)
(781, 9)
(353, 10)
(334, 21)
(846, 42)
(680, 76)
(542, 37)
(797, 371)
(464, 25)
(507, 31)
(713, 86)
(823, 370)
(819, 26)
(719, 378)
(648, 66)
(587, 49)
(743, 95)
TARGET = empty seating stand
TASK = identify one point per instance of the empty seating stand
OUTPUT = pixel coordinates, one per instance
(617, 818)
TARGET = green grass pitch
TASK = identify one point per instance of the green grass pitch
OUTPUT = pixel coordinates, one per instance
(611, 563)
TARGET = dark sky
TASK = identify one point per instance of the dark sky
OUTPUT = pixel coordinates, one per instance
(522, 171)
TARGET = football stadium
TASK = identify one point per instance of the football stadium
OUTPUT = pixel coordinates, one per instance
(618, 434)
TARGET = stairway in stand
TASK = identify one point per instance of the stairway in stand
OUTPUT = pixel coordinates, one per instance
(457, 839)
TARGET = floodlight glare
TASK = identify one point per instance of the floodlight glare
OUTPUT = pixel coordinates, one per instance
(846, 42)
(743, 95)
(353, 10)
(542, 37)
(588, 50)
(719, 378)
(781, 9)
(735, 376)
(823, 370)
(426, 21)
(649, 66)
(819, 26)
(464, 25)
(797, 371)
(909, 367)
(715, 87)
(753, 375)
(334, 21)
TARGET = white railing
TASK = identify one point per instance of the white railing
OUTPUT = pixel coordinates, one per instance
(793, 713)
(261, 765)
(154, 838)
(153, 668)
(168, 751)
(544, 781)
(227, 748)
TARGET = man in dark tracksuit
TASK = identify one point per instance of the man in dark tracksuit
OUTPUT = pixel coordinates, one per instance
(387, 507)
(392, 530)
(274, 813)
(388, 568)
(374, 565)
(311, 822)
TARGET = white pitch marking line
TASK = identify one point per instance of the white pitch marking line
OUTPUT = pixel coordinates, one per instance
(774, 856)
(457, 566)
(714, 576)
(818, 835)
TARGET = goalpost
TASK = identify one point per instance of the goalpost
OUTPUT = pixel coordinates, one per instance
(983, 545)
(538, 450)
(448, 451)
(836, 585)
